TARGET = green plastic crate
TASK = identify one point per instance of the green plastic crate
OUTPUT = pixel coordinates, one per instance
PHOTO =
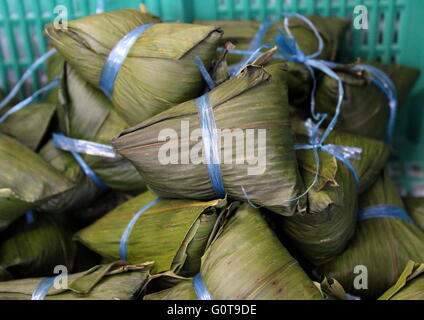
(395, 35)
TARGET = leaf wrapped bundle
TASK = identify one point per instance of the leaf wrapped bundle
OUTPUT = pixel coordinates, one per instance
(114, 281)
(322, 232)
(85, 113)
(409, 286)
(246, 261)
(35, 249)
(365, 109)
(173, 233)
(159, 70)
(26, 180)
(254, 100)
(28, 125)
(415, 208)
(383, 245)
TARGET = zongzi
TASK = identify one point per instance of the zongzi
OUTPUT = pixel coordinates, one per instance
(169, 150)
(173, 233)
(323, 231)
(246, 261)
(159, 70)
(114, 281)
(385, 240)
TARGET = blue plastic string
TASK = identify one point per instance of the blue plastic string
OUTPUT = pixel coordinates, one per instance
(123, 244)
(43, 287)
(289, 50)
(258, 38)
(26, 76)
(28, 100)
(83, 146)
(205, 74)
(200, 288)
(382, 81)
(336, 151)
(29, 216)
(74, 146)
(255, 44)
(352, 297)
(117, 57)
(341, 153)
(210, 139)
(384, 211)
(88, 171)
(250, 203)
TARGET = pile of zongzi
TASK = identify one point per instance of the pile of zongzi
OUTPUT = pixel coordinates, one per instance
(265, 166)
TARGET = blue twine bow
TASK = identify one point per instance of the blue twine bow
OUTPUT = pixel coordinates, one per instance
(384, 211)
(290, 50)
(210, 139)
(37, 63)
(200, 288)
(117, 57)
(44, 286)
(75, 147)
(123, 244)
(341, 153)
(29, 100)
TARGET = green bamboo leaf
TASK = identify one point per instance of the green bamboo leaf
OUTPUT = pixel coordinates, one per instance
(28, 125)
(415, 207)
(26, 180)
